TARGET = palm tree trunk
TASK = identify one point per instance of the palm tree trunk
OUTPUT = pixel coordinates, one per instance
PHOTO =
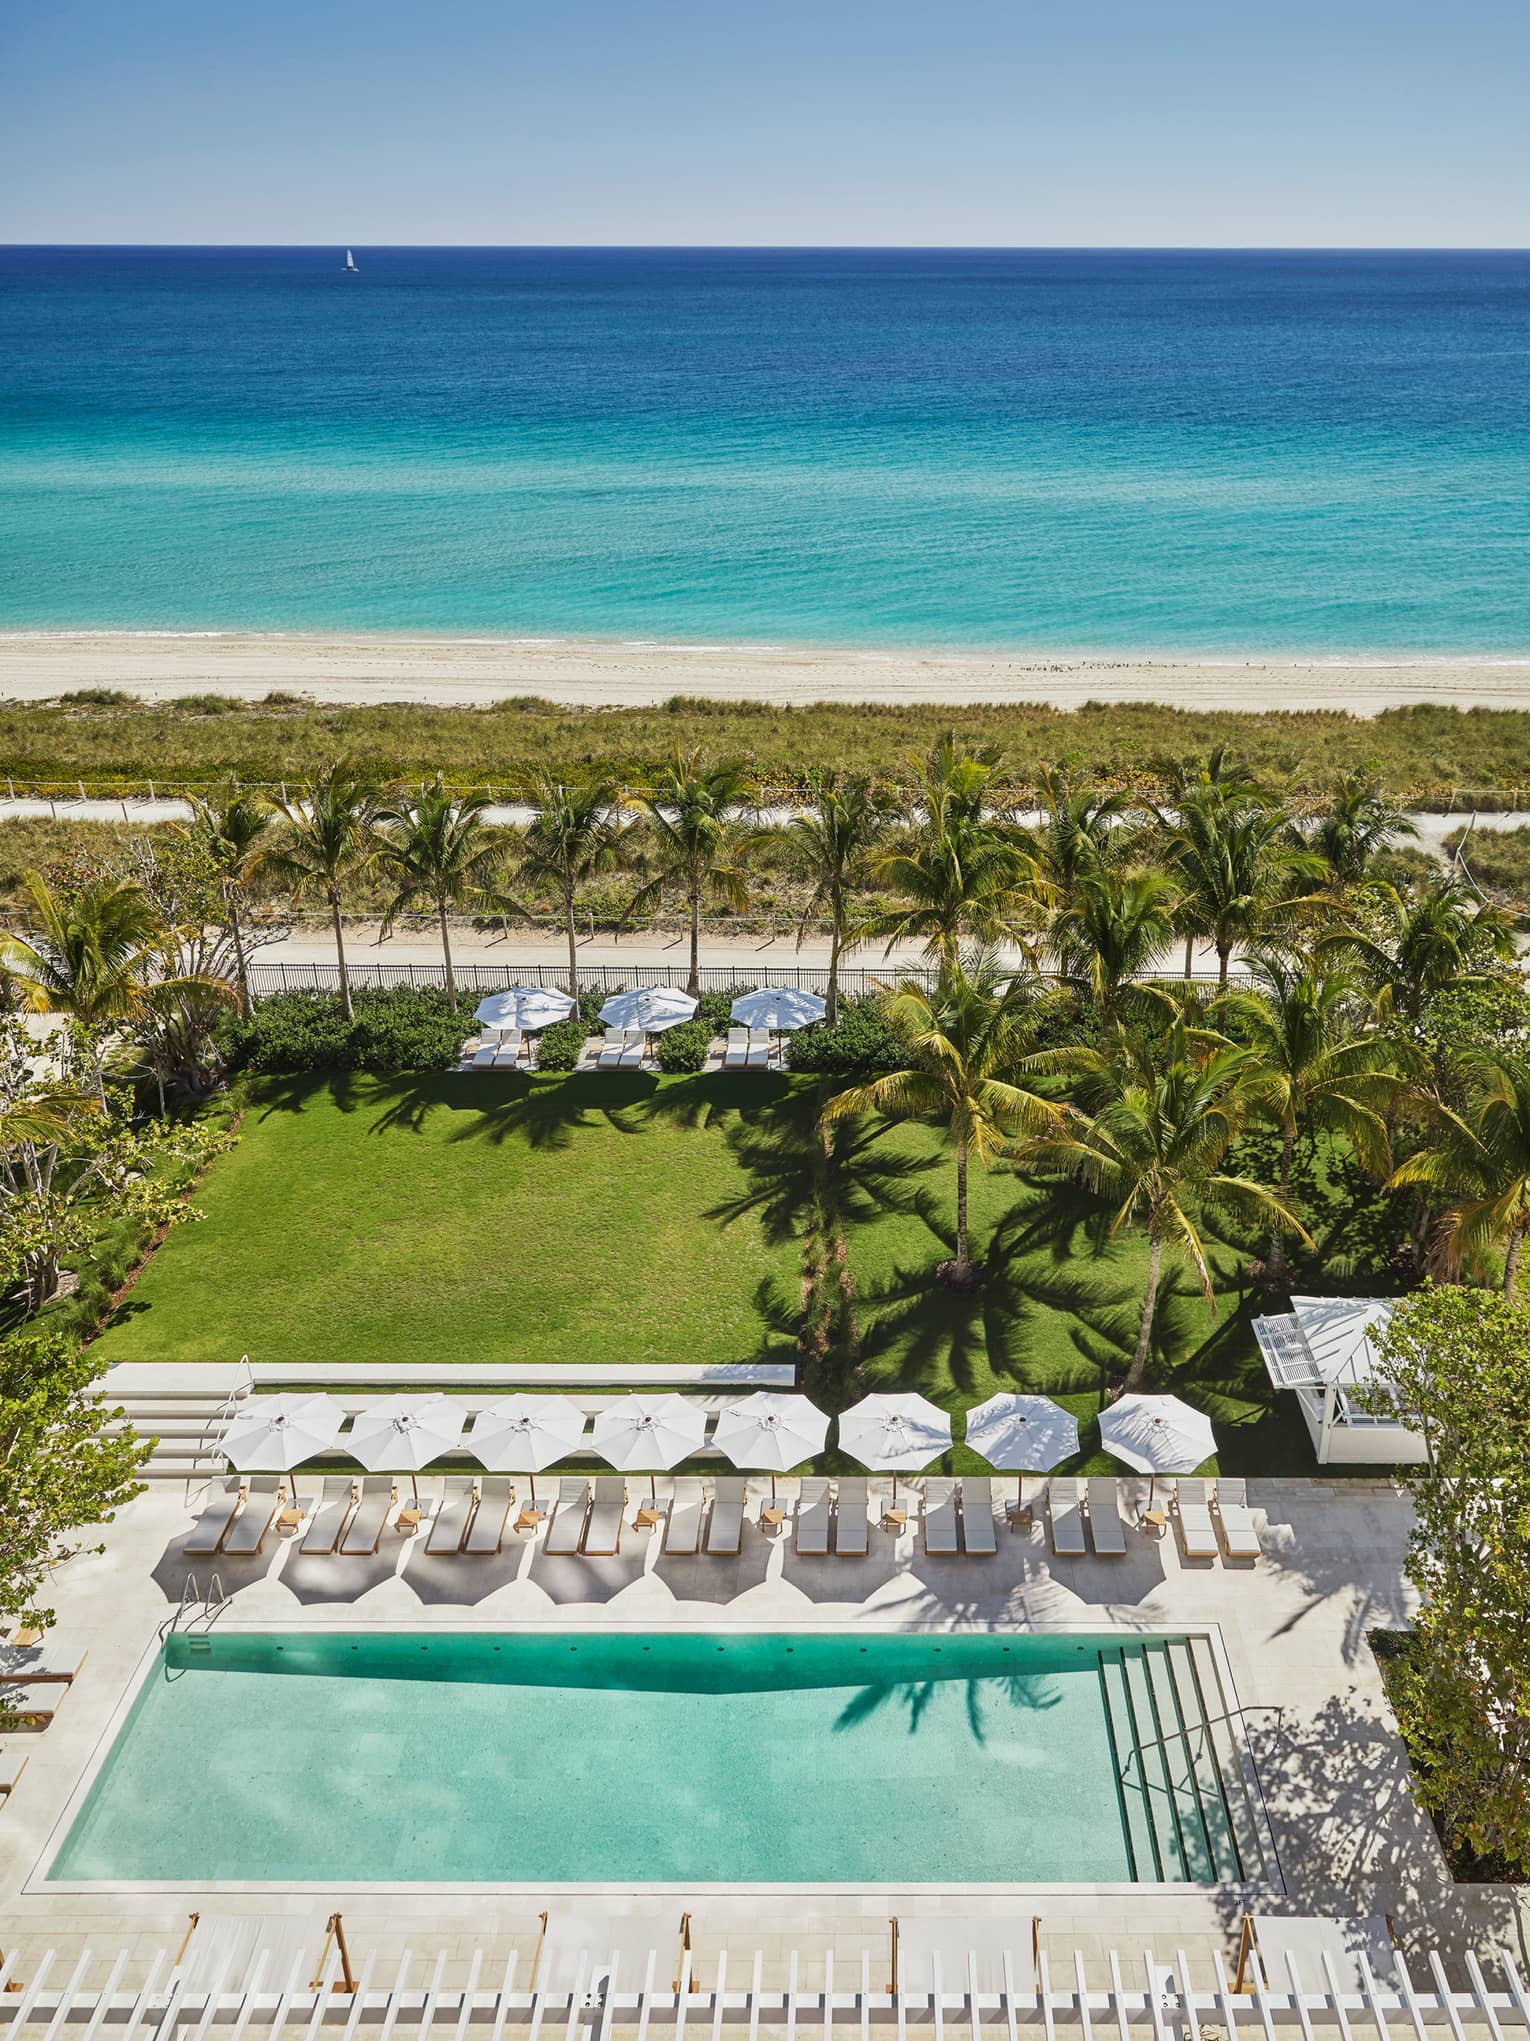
(1189, 954)
(963, 1260)
(1277, 1232)
(1224, 954)
(572, 933)
(241, 968)
(1511, 1261)
(693, 983)
(446, 952)
(1145, 1330)
(836, 931)
(345, 976)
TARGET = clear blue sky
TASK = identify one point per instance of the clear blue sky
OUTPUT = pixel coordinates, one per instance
(988, 122)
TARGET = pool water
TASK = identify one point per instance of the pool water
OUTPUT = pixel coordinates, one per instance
(834, 1758)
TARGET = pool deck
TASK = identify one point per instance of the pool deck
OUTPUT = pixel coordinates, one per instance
(1293, 1628)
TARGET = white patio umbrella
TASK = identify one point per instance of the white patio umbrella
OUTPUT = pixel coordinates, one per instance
(405, 1433)
(653, 1008)
(1157, 1435)
(1022, 1433)
(528, 1007)
(897, 1432)
(780, 1008)
(639, 1433)
(274, 1434)
(519, 1434)
(771, 1431)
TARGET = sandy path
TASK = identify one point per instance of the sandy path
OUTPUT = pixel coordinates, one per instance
(594, 674)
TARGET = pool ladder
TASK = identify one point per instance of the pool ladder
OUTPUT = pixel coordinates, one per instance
(197, 1611)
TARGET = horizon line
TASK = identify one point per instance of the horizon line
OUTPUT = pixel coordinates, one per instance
(827, 247)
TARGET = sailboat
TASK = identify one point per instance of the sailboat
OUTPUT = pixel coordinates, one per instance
(350, 263)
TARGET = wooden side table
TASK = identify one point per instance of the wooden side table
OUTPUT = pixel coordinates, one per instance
(1154, 1521)
(291, 1518)
(895, 1518)
(529, 1518)
(647, 1518)
(409, 1519)
(772, 1517)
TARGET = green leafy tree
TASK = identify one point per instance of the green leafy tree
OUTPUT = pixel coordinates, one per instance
(437, 847)
(1458, 1361)
(831, 842)
(968, 1046)
(1408, 943)
(1476, 1166)
(699, 826)
(1238, 860)
(1356, 825)
(1082, 832)
(233, 829)
(575, 834)
(1113, 927)
(1150, 1135)
(327, 838)
(93, 949)
(62, 1468)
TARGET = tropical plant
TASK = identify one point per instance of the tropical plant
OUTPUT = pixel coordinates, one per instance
(327, 838)
(1082, 832)
(1158, 1117)
(232, 830)
(436, 846)
(967, 1046)
(1238, 859)
(1477, 1166)
(698, 813)
(1407, 943)
(1111, 929)
(575, 834)
(1356, 825)
(831, 843)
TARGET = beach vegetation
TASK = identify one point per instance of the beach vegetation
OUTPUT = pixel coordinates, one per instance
(328, 836)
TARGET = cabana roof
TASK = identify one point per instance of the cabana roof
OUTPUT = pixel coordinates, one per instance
(1323, 1340)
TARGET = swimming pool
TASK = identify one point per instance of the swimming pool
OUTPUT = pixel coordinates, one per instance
(547, 1758)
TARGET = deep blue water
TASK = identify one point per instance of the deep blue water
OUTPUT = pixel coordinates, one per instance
(1201, 453)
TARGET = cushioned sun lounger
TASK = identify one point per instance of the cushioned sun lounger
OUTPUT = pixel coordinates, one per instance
(207, 1532)
(940, 1517)
(632, 1051)
(736, 1051)
(978, 1534)
(328, 1520)
(31, 1707)
(11, 1769)
(567, 1526)
(508, 1055)
(246, 1535)
(1067, 1521)
(852, 1525)
(725, 1532)
(486, 1533)
(687, 1507)
(1238, 1531)
(1197, 1532)
(814, 1510)
(1105, 1526)
(363, 1533)
(759, 1051)
(612, 1044)
(452, 1518)
(49, 1661)
(603, 1528)
(484, 1057)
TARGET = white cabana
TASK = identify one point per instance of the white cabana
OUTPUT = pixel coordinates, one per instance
(522, 1434)
(274, 1434)
(1324, 1350)
(1157, 1434)
(527, 1007)
(639, 1434)
(404, 1434)
(653, 1008)
(895, 1433)
(1022, 1434)
(770, 1431)
(778, 1009)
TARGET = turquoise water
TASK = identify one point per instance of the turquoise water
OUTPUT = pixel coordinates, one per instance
(834, 1758)
(1071, 451)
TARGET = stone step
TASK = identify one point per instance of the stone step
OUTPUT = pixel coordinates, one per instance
(1232, 1761)
(1177, 1736)
(1153, 1764)
(1141, 1844)
(1210, 1786)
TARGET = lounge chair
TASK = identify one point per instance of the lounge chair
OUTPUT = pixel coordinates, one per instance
(725, 1531)
(328, 1520)
(687, 1506)
(814, 1511)
(483, 1058)
(246, 1535)
(40, 1662)
(451, 1520)
(207, 1532)
(978, 1534)
(736, 1052)
(1239, 1534)
(852, 1523)
(1196, 1530)
(603, 1527)
(1105, 1526)
(632, 1049)
(31, 1707)
(940, 1518)
(507, 1051)
(612, 1044)
(567, 1527)
(759, 1050)
(1067, 1520)
(363, 1534)
(486, 1533)
(11, 1769)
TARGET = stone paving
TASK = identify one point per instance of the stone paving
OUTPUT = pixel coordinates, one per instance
(1293, 1628)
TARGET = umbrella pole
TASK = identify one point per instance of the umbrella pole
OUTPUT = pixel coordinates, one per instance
(1152, 1487)
(653, 1493)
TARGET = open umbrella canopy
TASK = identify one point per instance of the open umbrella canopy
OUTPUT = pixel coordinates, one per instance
(651, 1007)
(780, 1008)
(770, 1430)
(522, 1434)
(897, 1433)
(1157, 1434)
(274, 1434)
(641, 1433)
(527, 1007)
(1022, 1433)
(405, 1433)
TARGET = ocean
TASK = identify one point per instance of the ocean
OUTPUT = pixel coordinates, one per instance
(1201, 454)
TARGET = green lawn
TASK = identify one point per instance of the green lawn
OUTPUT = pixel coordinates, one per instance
(610, 1219)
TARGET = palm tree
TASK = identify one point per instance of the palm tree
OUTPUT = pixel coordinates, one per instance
(1160, 1117)
(436, 846)
(95, 949)
(1111, 929)
(1081, 832)
(1321, 1062)
(698, 812)
(960, 870)
(575, 834)
(831, 841)
(1406, 943)
(1237, 859)
(968, 1042)
(1478, 1166)
(1356, 826)
(327, 839)
(232, 830)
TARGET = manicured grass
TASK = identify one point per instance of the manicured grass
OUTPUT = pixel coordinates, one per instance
(609, 1219)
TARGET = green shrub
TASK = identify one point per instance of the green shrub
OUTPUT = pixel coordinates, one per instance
(396, 1028)
(558, 1047)
(683, 1050)
(862, 1043)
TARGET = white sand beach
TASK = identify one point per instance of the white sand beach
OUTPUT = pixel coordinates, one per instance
(597, 674)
